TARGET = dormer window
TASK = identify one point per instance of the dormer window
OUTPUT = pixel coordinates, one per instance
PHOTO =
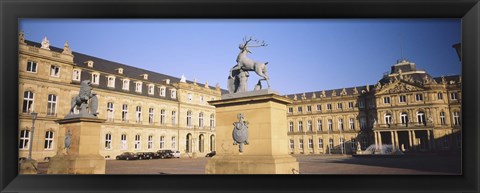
(138, 86)
(145, 76)
(111, 81)
(162, 91)
(167, 81)
(126, 84)
(120, 70)
(173, 93)
(151, 89)
(90, 64)
(95, 78)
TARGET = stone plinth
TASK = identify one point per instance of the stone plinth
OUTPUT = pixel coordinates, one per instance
(83, 155)
(267, 151)
(28, 166)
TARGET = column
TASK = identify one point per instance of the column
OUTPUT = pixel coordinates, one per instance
(380, 138)
(410, 144)
(414, 138)
(396, 139)
(376, 138)
(428, 140)
(392, 138)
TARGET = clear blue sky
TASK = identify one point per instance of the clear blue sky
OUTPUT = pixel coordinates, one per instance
(303, 55)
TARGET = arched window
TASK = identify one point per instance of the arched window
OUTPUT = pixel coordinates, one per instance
(201, 144)
(27, 102)
(212, 142)
(108, 141)
(123, 142)
(189, 119)
(48, 145)
(188, 146)
(200, 120)
(52, 105)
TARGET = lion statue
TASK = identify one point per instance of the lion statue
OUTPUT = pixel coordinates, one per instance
(84, 95)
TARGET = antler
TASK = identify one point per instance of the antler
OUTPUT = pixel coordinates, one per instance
(254, 40)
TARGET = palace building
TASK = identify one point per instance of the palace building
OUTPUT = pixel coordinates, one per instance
(144, 110)
(147, 111)
(407, 108)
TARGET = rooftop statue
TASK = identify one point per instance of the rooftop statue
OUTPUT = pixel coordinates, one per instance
(238, 76)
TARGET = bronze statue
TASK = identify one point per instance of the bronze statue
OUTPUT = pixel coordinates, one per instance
(85, 96)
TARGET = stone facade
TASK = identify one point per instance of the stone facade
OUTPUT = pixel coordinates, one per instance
(407, 108)
(143, 118)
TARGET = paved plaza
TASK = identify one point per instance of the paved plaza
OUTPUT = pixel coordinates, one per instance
(309, 164)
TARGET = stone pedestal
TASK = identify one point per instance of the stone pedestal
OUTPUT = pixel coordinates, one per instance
(83, 155)
(267, 151)
(28, 166)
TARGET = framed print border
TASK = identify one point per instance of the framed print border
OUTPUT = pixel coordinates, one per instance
(11, 11)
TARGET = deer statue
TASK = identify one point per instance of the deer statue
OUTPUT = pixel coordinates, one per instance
(246, 64)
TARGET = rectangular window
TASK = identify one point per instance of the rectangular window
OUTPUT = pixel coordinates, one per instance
(351, 124)
(125, 113)
(309, 108)
(442, 118)
(439, 96)
(320, 143)
(24, 139)
(150, 115)
(151, 89)
(125, 85)
(174, 143)
(150, 142)
(319, 107)
(76, 75)
(340, 106)
(174, 117)
(108, 141)
(138, 115)
(352, 142)
(162, 91)
(27, 102)
(290, 126)
(300, 143)
(138, 87)
(309, 126)
(290, 109)
(319, 125)
(111, 82)
(137, 142)
(95, 78)
(386, 100)
(456, 118)
(173, 93)
(310, 143)
(52, 105)
(32, 66)
(329, 106)
(162, 142)
(291, 144)
(419, 97)
(330, 125)
(300, 126)
(453, 96)
(162, 116)
(110, 112)
(402, 99)
(123, 142)
(299, 109)
(350, 105)
(48, 140)
(340, 124)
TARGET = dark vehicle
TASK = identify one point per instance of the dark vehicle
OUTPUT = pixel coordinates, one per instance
(165, 154)
(127, 156)
(146, 155)
(211, 154)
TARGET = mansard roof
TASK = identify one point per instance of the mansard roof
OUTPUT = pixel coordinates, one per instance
(106, 66)
(328, 93)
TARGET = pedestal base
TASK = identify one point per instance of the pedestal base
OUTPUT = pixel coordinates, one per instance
(76, 164)
(252, 164)
(28, 166)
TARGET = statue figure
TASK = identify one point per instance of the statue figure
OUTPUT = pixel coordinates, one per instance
(68, 139)
(45, 44)
(82, 99)
(66, 49)
(246, 64)
(240, 132)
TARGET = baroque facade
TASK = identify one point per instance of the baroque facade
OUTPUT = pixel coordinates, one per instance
(144, 111)
(407, 109)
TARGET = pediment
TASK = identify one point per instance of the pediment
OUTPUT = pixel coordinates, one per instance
(399, 87)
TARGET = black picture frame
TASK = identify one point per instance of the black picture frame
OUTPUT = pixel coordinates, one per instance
(12, 11)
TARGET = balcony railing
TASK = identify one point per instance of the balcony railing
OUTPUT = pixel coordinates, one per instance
(409, 124)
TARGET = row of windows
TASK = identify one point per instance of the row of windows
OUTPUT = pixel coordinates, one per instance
(138, 142)
(351, 125)
(28, 101)
(32, 67)
(328, 107)
(421, 118)
(419, 97)
(330, 143)
(24, 142)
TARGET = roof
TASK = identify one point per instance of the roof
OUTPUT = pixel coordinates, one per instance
(106, 66)
(328, 93)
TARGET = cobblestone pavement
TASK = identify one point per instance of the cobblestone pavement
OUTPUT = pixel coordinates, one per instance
(309, 164)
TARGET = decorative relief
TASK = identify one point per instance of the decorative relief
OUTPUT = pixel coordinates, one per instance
(240, 132)
(344, 92)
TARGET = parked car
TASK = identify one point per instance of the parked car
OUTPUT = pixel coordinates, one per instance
(211, 154)
(176, 154)
(165, 154)
(146, 155)
(127, 156)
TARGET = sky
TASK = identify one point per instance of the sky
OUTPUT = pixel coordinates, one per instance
(303, 55)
